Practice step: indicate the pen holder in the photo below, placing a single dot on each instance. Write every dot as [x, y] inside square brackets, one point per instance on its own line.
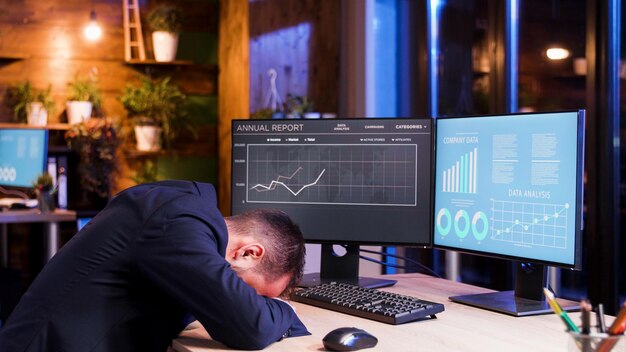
[595, 342]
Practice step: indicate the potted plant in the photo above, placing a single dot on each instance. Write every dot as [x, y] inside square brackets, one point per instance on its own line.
[165, 21]
[84, 96]
[46, 191]
[96, 141]
[300, 107]
[147, 173]
[155, 109]
[31, 105]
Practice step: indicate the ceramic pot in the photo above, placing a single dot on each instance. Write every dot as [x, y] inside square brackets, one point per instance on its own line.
[148, 138]
[37, 114]
[164, 45]
[78, 111]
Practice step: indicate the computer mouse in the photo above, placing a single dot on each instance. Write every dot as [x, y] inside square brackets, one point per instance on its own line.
[349, 339]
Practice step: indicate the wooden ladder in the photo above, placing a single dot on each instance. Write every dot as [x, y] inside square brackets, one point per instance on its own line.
[133, 36]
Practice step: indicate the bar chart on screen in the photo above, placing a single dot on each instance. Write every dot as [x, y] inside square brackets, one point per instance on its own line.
[461, 176]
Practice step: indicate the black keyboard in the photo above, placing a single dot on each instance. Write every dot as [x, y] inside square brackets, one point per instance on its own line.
[386, 307]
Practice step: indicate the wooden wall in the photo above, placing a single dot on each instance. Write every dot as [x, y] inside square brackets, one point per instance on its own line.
[42, 41]
[47, 40]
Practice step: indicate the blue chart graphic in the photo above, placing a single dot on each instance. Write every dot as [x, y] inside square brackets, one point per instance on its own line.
[351, 174]
[531, 224]
[461, 177]
[461, 224]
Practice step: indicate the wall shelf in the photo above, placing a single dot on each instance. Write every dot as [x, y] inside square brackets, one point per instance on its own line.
[187, 152]
[50, 126]
[8, 58]
[158, 63]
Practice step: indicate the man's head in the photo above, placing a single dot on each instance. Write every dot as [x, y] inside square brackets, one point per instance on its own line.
[266, 250]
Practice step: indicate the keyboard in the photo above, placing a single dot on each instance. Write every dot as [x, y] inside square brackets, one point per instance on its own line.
[386, 307]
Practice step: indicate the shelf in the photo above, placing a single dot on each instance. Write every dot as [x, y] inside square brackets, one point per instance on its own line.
[170, 64]
[159, 63]
[50, 126]
[136, 154]
[8, 58]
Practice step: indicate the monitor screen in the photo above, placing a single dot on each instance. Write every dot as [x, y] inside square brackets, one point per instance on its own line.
[343, 181]
[23, 156]
[510, 186]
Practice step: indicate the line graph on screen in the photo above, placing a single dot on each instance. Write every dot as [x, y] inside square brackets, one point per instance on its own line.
[354, 174]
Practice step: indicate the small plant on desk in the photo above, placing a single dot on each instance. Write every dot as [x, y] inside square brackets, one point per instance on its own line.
[45, 190]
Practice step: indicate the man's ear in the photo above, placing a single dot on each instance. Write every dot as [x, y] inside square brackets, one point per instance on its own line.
[249, 255]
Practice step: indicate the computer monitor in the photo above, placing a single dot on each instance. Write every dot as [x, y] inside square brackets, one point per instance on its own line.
[510, 186]
[343, 181]
[23, 156]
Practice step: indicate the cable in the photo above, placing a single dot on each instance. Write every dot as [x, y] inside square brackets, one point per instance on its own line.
[419, 265]
[14, 193]
[398, 266]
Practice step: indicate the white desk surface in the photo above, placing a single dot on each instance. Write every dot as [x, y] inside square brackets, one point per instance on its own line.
[458, 328]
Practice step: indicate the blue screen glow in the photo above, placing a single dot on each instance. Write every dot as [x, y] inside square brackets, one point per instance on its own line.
[23, 154]
[508, 185]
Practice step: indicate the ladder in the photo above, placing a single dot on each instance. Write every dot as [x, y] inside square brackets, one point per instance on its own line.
[133, 36]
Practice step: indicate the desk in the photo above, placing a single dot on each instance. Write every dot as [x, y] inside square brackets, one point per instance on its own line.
[51, 219]
[458, 328]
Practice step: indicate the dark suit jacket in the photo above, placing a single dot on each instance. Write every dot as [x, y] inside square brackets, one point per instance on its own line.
[126, 280]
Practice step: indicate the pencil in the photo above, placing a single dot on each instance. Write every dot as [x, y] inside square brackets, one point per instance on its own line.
[585, 313]
[619, 324]
[559, 311]
[600, 318]
[617, 328]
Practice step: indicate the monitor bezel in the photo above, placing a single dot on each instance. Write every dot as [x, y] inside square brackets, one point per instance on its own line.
[429, 224]
[580, 155]
[30, 187]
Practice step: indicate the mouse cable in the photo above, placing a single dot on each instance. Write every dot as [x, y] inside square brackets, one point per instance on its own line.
[14, 193]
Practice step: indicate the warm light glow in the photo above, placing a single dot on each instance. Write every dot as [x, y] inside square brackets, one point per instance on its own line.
[93, 31]
[557, 53]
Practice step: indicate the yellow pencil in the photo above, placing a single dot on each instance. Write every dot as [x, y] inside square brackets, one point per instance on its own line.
[559, 311]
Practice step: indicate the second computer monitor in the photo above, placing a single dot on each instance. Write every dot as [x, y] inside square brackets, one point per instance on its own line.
[23, 156]
[510, 186]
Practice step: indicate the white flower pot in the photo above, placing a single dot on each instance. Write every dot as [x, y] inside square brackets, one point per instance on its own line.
[164, 45]
[78, 111]
[37, 114]
[148, 138]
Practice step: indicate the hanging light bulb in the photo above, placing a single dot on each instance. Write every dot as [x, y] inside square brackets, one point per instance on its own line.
[93, 31]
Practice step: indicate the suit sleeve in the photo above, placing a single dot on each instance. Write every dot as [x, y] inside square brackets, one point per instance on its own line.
[178, 251]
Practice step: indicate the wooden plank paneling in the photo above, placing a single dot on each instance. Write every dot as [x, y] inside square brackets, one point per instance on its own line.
[46, 39]
[233, 86]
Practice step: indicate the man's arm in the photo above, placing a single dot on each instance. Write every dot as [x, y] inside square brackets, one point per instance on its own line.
[178, 252]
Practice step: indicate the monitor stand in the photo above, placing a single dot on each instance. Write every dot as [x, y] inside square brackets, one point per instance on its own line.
[342, 269]
[527, 299]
